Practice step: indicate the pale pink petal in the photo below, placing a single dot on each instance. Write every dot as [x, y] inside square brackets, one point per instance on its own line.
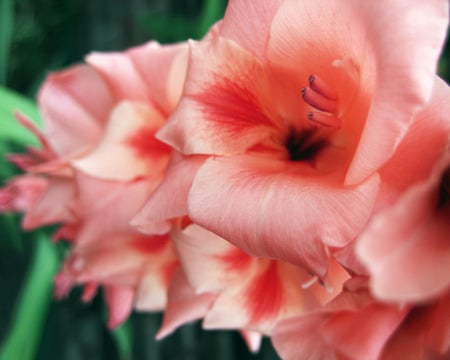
[374, 36]
[128, 149]
[153, 288]
[169, 200]
[77, 93]
[120, 304]
[406, 247]
[248, 23]
[273, 209]
[163, 69]
[253, 340]
[210, 262]
[222, 110]
[184, 305]
[121, 75]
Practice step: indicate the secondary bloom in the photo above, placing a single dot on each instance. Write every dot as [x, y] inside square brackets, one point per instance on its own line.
[406, 248]
[357, 326]
[233, 290]
[295, 106]
[98, 162]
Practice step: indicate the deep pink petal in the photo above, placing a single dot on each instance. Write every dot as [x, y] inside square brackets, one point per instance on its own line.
[270, 208]
[77, 93]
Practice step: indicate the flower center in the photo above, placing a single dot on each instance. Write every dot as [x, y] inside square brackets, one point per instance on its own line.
[444, 189]
[302, 144]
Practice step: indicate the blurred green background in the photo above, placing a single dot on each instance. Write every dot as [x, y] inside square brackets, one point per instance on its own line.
[38, 36]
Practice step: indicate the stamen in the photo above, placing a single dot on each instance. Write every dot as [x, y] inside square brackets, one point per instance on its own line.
[321, 87]
[318, 101]
[325, 119]
[311, 282]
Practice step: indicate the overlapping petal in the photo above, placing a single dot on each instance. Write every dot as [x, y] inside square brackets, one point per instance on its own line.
[255, 201]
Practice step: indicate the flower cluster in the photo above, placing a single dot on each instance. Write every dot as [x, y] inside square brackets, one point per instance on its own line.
[287, 176]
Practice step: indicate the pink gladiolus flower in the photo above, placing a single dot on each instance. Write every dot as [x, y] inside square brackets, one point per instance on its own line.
[297, 105]
[356, 326]
[99, 161]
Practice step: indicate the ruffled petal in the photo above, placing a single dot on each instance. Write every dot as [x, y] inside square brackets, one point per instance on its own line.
[77, 93]
[272, 209]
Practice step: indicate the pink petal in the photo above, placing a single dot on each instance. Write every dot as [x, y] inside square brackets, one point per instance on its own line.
[53, 206]
[128, 149]
[406, 247]
[184, 305]
[253, 340]
[244, 200]
[338, 333]
[228, 111]
[423, 144]
[256, 291]
[120, 304]
[248, 23]
[169, 200]
[163, 69]
[22, 192]
[77, 93]
[107, 207]
[374, 36]
[121, 76]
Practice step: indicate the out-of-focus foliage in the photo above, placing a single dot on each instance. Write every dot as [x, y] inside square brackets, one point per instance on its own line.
[38, 36]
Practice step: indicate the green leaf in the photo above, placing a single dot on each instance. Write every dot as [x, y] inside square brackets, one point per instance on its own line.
[122, 337]
[10, 129]
[6, 32]
[211, 12]
[32, 307]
